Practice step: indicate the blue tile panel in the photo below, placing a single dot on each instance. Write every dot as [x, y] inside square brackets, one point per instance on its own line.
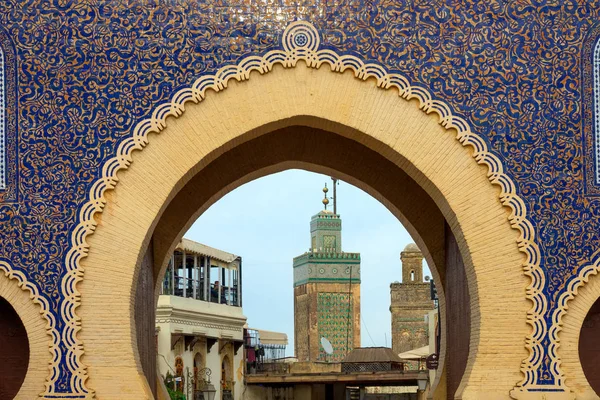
[78, 76]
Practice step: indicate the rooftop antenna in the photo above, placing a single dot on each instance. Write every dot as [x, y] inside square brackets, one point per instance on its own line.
[335, 183]
[325, 199]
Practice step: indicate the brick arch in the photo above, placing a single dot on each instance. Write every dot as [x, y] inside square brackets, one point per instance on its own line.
[314, 98]
[197, 195]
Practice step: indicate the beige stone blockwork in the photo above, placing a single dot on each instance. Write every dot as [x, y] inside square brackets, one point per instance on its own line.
[378, 120]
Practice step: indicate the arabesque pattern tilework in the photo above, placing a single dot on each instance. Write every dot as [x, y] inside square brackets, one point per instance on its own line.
[335, 321]
[86, 73]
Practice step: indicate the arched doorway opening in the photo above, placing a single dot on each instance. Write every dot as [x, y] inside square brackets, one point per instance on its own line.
[198, 372]
[382, 145]
[14, 349]
[226, 379]
[180, 374]
[589, 346]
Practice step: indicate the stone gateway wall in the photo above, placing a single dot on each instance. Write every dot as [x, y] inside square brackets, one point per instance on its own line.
[458, 315]
[501, 135]
[145, 319]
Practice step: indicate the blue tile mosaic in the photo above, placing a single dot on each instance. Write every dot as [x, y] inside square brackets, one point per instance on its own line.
[78, 76]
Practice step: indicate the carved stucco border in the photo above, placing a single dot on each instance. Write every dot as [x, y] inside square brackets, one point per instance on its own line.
[300, 43]
[179, 321]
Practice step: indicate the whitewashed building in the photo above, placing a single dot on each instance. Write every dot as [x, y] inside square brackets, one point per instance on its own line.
[200, 323]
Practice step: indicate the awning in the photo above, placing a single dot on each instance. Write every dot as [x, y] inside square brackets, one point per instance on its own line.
[198, 248]
[270, 337]
[415, 354]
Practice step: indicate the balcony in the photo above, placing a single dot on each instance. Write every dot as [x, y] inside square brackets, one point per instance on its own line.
[201, 277]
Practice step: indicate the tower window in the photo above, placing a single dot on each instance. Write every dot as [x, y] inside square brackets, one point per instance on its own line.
[329, 243]
[412, 275]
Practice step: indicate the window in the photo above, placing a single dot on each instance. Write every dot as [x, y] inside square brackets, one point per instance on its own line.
[2, 122]
[8, 119]
[596, 107]
[329, 243]
[591, 110]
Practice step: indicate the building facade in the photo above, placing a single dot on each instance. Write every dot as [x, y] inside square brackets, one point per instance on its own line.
[200, 323]
[410, 303]
[326, 293]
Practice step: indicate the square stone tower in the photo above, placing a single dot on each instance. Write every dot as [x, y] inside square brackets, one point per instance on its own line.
[410, 302]
[326, 293]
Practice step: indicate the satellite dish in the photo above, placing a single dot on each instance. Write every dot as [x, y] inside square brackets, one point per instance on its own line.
[326, 345]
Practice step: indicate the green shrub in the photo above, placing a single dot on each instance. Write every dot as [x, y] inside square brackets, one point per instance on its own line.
[174, 394]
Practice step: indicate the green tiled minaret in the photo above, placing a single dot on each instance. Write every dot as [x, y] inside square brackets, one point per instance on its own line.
[327, 292]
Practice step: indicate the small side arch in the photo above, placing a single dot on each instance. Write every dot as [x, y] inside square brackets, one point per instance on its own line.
[199, 365]
[226, 371]
[21, 300]
[582, 293]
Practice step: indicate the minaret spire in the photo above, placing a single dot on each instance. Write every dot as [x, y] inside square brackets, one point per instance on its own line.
[335, 183]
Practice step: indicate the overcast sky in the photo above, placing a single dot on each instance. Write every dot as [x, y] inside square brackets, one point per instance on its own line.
[266, 222]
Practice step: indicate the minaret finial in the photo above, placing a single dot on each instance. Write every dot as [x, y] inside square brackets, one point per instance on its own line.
[325, 199]
[335, 183]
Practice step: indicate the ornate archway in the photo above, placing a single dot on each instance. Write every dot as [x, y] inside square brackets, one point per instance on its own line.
[315, 98]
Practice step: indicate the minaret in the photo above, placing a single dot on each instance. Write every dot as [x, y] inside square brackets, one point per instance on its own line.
[410, 302]
[326, 292]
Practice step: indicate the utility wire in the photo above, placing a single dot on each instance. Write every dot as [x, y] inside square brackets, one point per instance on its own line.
[367, 329]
